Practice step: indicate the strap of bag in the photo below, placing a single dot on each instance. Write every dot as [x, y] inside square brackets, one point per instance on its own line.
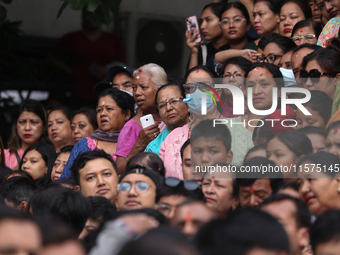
[204, 54]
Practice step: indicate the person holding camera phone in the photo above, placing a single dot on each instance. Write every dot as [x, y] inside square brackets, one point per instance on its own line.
[133, 139]
[211, 31]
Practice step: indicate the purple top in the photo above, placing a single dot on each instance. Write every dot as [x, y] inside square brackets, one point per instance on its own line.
[129, 135]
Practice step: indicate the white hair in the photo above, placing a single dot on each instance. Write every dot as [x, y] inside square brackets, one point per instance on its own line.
[156, 72]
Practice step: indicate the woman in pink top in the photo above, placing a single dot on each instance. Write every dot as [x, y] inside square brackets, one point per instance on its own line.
[133, 139]
[170, 151]
[28, 128]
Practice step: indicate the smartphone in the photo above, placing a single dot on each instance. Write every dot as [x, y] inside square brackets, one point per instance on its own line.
[147, 120]
[193, 23]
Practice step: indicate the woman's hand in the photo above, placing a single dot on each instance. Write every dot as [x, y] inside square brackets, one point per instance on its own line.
[251, 55]
[191, 37]
[146, 135]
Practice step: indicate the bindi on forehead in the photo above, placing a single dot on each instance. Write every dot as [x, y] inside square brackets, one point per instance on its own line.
[103, 103]
[138, 74]
[188, 217]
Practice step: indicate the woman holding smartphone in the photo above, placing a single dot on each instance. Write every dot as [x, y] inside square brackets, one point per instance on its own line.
[133, 138]
[211, 31]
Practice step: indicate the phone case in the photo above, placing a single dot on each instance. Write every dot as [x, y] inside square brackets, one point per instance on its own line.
[147, 120]
[193, 23]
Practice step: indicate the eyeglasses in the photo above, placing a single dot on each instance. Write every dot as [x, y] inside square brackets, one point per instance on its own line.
[313, 74]
[191, 87]
[165, 209]
[140, 187]
[174, 182]
[268, 59]
[173, 101]
[225, 23]
[235, 75]
[306, 37]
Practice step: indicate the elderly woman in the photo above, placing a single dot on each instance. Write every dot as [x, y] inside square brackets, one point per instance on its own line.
[114, 109]
[198, 79]
[133, 139]
[173, 111]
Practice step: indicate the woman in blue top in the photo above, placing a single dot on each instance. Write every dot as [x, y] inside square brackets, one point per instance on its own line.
[172, 110]
[115, 108]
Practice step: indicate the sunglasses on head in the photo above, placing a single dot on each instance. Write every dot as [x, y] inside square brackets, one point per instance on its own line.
[174, 182]
[313, 74]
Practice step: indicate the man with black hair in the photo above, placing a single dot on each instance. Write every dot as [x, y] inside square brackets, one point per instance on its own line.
[174, 192]
[254, 187]
[248, 232]
[17, 191]
[96, 174]
[190, 216]
[325, 234]
[19, 234]
[210, 145]
[59, 238]
[66, 204]
[102, 210]
[295, 218]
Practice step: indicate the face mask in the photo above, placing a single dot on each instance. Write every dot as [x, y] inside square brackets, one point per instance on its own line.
[194, 101]
[288, 77]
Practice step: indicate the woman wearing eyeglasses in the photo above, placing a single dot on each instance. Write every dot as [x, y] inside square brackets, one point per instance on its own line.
[235, 23]
[321, 69]
[234, 71]
[198, 81]
[306, 31]
[260, 78]
[172, 110]
[274, 50]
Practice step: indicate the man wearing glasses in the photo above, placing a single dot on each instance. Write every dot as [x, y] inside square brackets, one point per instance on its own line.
[137, 188]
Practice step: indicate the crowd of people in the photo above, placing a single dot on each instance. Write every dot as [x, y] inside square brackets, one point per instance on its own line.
[100, 181]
